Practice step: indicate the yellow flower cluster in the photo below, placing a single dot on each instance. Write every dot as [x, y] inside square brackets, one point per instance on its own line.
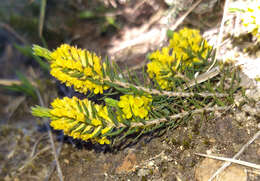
[185, 48]
[81, 119]
[77, 67]
[135, 106]
[251, 19]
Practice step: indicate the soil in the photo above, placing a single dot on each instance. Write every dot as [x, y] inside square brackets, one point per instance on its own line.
[25, 149]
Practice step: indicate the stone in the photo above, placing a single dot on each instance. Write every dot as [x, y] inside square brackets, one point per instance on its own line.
[128, 164]
[206, 168]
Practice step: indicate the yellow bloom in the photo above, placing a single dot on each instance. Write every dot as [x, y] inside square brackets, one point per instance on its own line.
[103, 140]
[96, 122]
[76, 118]
[137, 105]
[183, 50]
[77, 67]
[105, 130]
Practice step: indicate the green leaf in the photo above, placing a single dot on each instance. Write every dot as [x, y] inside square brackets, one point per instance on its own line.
[45, 66]
[117, 132]
[98, 131]
[122, 90]
[85, 109]
[79, 106]
[26, 87]
[233, 10]
[88, 121]
[94, 111]
[129, 132]
[77, 74]
[111, 102]
[41, 111]
[81, 129]
[89, 131]
[42, 52]
[112, 116]
[74, 127]
[169, 33]
[25, 50]
[108, 132]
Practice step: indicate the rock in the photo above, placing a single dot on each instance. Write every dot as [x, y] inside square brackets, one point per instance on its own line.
[128, 164]
[143, 172]
[208, 167]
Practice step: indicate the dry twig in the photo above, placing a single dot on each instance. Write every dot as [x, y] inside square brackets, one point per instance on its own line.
[41, 18]
[220, 35]
[168, 93]
[54, 163]
[29, 161]
[244, 163]
[203, 77]
[225, 165]
[36, 144]
[6, 82]
[181, 115]
[51, 139]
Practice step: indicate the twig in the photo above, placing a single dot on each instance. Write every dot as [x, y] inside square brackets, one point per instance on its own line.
[54, 163]
[12, 31]
[51, 139]
[33, 158]
[10, 82]
[203, 77]
[225, 165]
[248, 164]
[180, 115]
[253, 171]
[36, 144]
[13, 106]
[168, 93]
[220, 35]
[7, 82]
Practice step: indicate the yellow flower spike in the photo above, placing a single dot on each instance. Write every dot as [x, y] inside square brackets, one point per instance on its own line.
[76, 67]
[76, 118]
[185, 46]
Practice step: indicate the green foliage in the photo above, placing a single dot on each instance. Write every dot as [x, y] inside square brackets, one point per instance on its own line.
[28, 52]
[25, 87]
[135, 104]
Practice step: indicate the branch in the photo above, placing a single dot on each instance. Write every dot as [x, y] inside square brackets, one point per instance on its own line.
[167, 93]
[181, 115]
[51, 139]
[225, 165]
[244, 163]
